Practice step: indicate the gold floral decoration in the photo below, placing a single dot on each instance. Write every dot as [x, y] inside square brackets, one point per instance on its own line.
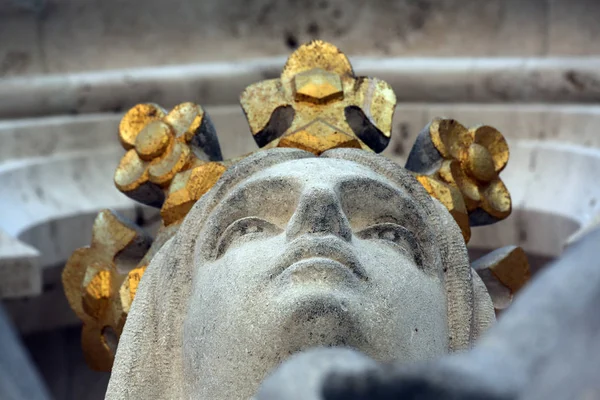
[159, 145]
[469, 160]
[473, 160]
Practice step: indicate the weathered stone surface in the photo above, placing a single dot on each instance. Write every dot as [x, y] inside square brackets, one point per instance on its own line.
[313, 256]
[67, 35]
[442, 80]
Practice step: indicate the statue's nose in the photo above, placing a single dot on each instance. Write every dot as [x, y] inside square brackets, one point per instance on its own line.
[319, 212]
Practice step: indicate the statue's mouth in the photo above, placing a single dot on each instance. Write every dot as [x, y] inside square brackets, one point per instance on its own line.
[320, 270]
[327, 252]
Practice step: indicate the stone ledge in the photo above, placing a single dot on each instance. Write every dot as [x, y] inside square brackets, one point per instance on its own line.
[62, 36]
[491, 80]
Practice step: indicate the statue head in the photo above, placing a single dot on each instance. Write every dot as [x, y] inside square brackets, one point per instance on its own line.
[289, 251]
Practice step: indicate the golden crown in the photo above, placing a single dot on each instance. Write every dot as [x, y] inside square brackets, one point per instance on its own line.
[173, 157]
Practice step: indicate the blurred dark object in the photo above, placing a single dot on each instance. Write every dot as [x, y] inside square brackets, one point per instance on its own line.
[18, 377]
[30, 5]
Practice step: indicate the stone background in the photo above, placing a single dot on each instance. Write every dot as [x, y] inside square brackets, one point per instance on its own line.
[86, 61]
[62, 36]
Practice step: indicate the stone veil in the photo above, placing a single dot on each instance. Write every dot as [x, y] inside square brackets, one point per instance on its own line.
[150, 358]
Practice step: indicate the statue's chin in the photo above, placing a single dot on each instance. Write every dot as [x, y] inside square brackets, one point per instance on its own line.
[315, 298]
[316, 315]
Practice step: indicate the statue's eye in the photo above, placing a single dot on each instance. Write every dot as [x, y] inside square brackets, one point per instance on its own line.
[401, 237]
[248, 228]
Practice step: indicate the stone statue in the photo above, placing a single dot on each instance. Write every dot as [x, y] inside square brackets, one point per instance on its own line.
[313, 241]
[289, 251]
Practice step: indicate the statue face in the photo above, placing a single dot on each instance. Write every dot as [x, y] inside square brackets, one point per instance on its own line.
[313, 252]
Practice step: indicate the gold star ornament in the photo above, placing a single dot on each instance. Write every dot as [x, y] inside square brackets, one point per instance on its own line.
[319, 104]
